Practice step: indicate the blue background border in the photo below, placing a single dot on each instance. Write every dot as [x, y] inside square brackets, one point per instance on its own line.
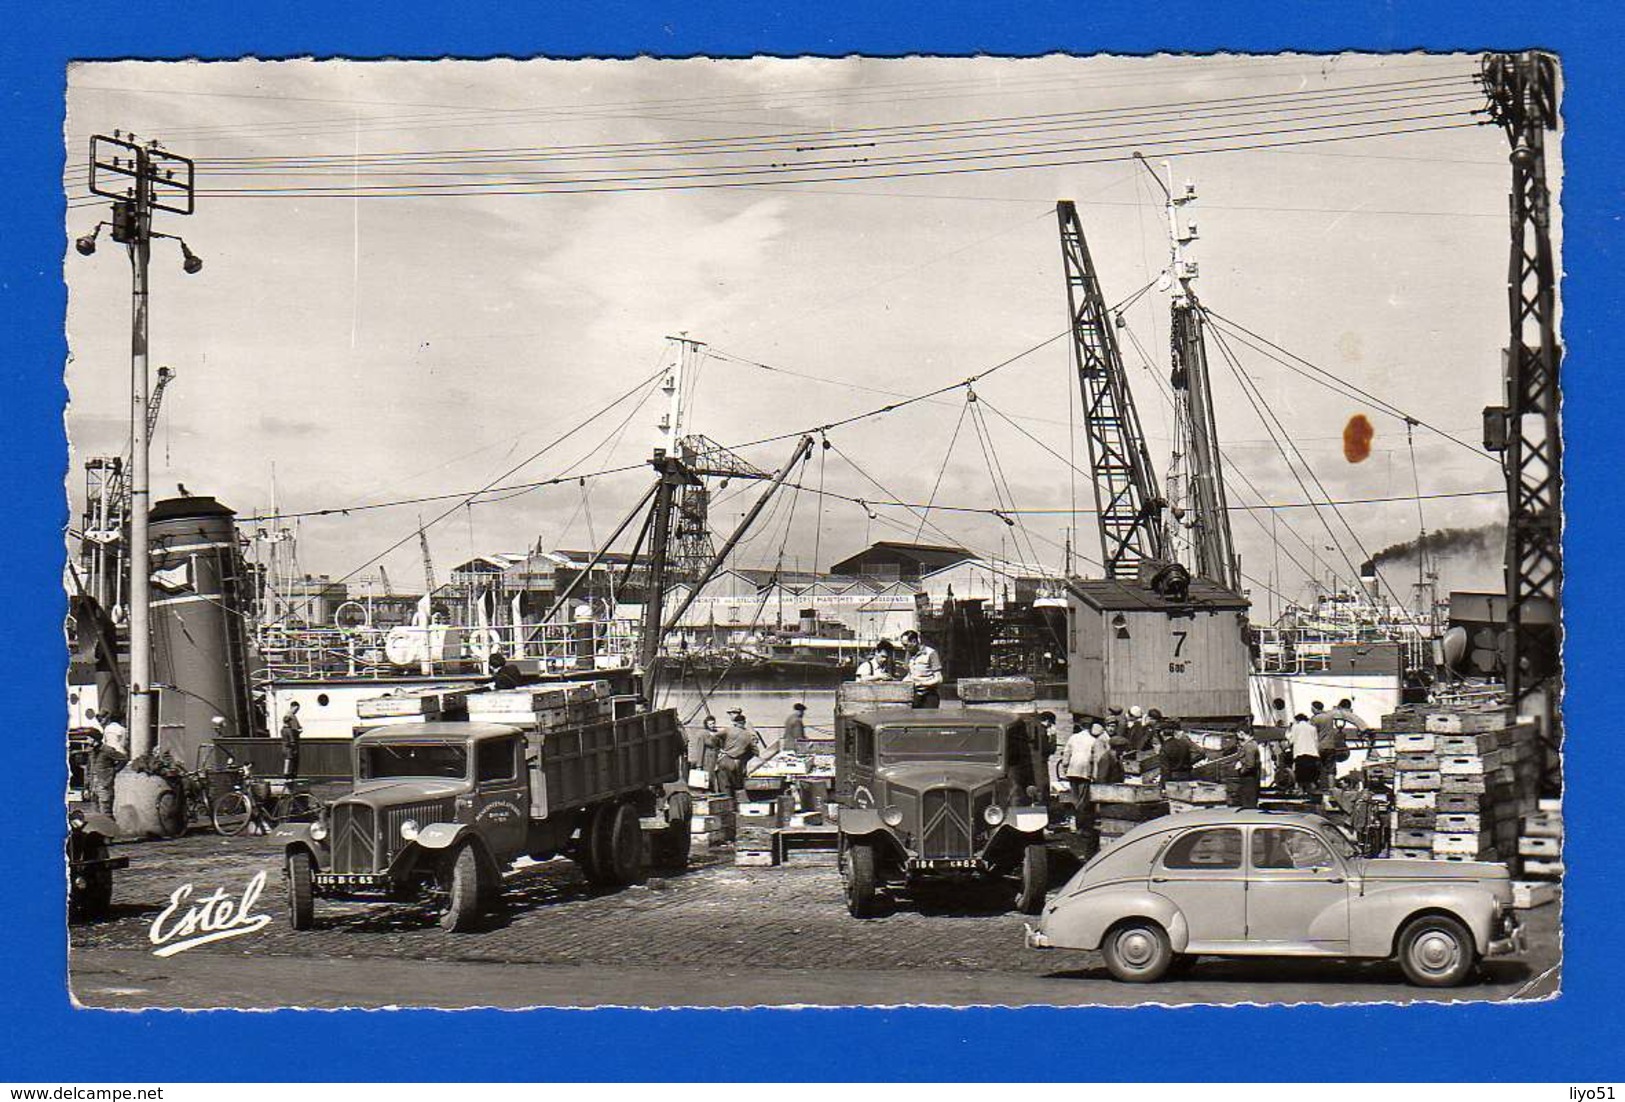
[1578, 1037]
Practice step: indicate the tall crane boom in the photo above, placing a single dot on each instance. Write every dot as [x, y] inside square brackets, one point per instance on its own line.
[1213, 551]
[1129, 507]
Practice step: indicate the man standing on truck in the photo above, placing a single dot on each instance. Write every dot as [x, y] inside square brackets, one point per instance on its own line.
[292, 729]
[924, 671]
[878, 666]
[1078, 767]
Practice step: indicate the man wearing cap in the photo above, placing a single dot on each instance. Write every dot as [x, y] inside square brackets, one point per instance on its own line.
[1178, 754]
[1137, 731]
[1248, 766]
[738, 747]
[1301, 737]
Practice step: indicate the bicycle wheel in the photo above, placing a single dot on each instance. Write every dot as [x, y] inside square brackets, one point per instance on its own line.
[232, 812]
[298, 807]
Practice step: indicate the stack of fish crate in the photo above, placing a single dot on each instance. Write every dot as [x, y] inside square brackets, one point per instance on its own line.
[1119, 808]
[1003, 694]
[1193, 795]
[714, 821]
[1540, 842]
[753, 837]
[1462, 786]
[411, 706]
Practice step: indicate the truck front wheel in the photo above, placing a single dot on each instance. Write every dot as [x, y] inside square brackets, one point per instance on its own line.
[861, 880]
[1034, 879]
[301, 891]
[464, 892]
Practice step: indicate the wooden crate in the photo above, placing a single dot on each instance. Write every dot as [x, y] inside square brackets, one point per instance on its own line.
[1457, 783]
[988, 690]
[1414, 839]
[1415, 801]
[1460, 802]
[1125, 793]
[1538, 868]
[1457, 723]
[754, 859]
[1459, 823]
[1540, 847]
[1543, 825]
[1532, 893]
[1132, 813]
[1413, 853]
[1474, 844]
[1472, 765]
[1422, 743]
[1418, 819]
[1416, 762]
[1195, 792]
[1420, 782]
[1482, 743]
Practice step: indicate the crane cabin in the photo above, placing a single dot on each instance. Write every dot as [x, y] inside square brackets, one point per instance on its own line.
[1184, 653]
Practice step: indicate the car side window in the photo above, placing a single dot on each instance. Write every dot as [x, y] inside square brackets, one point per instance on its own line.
[1281, 848]
[1216, 848]
[495, 761]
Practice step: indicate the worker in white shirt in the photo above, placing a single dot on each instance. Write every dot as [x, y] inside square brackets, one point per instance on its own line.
[1078, 767]
[1305, 743]
[924, 671]
[879, 665]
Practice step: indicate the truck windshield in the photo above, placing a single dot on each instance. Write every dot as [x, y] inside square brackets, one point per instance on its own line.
[414, 760]
[934, 743]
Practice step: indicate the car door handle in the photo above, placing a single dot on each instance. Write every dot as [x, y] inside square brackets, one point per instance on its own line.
[1334, 880]
[1159, 880]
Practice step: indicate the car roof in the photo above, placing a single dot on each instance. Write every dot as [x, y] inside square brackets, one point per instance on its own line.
[437, 731]
[937, 717]
[1226, 816]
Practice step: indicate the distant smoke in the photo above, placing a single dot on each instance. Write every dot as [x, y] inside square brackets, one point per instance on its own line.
[1486, 542]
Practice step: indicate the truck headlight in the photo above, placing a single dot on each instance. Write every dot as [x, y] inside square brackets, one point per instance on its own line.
[994, 814]
[409, 830]
[892, 816]
[318, 829]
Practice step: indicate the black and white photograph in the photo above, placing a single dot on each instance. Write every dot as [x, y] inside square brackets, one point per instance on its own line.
[822, 532]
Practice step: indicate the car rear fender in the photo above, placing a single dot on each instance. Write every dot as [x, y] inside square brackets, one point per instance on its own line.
[1080, 921]
[1376, 919]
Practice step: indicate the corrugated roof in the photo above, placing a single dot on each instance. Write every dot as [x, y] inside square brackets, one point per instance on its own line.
[1112, 595]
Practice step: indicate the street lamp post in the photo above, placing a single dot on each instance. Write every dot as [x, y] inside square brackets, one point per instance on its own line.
[140, 180]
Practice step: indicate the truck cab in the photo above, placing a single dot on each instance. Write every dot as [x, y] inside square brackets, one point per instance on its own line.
[938, 794]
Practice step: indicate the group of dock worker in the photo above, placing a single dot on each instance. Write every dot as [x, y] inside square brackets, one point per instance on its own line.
[922, 668]
[1318, 741]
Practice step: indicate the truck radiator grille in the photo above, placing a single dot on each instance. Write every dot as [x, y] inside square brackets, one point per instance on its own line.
[424, 813]
[945, 815]
[353, 837]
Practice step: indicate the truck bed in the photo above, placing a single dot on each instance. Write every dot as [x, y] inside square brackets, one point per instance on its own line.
[578, 765]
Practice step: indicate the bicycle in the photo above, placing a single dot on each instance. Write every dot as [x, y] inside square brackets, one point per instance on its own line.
[259, 802]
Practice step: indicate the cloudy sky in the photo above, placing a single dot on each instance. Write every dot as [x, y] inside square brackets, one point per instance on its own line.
[419, 275]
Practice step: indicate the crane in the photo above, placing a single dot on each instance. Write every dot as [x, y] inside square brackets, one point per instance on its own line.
[1132, 534]
[1212, 546]
[428, 561]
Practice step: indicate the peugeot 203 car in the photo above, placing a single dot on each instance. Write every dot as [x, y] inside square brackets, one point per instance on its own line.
[1229, 882]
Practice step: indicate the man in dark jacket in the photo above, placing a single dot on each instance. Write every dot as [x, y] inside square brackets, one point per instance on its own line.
[292, 731]
[504, 674]
[1178, 754]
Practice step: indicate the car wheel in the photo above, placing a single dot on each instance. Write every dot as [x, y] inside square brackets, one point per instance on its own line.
[1137, 951]
[861, 880]
[91, 895]
[1436, 951]
[465, 890]
[1034, 879]
[301, 891]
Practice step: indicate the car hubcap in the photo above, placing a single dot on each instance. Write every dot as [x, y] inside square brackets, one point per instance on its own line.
[1137, 948]
[1436, 951]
